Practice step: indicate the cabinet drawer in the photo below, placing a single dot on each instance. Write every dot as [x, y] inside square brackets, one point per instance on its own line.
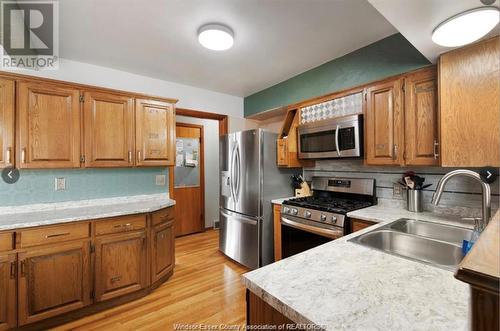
[52, 234]
[6, 241]
[163, 215]
[120, 224]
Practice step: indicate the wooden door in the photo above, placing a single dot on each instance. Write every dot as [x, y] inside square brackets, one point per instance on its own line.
[154, 133]
[189, 195]
[7, 291]
[109, 130]
[384, 124]
[53, 280]
[120, 265]
[7, 95]
[162, 250]
[48, 126]
[470, 105]
[421, 124]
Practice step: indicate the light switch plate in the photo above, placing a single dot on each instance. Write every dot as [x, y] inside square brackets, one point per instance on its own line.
[60, 184]
[160, 180]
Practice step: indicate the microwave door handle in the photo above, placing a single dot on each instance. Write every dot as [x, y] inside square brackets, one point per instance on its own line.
[337, 139]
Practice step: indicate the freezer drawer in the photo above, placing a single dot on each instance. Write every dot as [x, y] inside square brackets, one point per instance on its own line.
[239, 238]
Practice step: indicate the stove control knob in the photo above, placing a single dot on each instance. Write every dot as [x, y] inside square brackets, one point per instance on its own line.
[323, 218]
[286, 210]
[334, 219]
[294, 211]
[307, 214]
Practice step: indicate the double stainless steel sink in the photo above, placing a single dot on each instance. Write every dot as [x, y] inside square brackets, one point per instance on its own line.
[436, 244]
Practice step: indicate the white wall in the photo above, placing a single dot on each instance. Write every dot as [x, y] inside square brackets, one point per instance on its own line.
[211, 154]
[189, 96]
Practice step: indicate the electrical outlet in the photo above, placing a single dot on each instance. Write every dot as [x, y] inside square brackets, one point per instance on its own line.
[160, 180]
[60, 184]
[397, 191]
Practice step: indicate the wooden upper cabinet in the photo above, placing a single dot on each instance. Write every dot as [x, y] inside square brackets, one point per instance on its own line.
[48, 126]
[7, 96]
[421, 118]
[53, 280]
[384, 123]
[154, 133]
[470, 105]
[109, 130]
[7, 291]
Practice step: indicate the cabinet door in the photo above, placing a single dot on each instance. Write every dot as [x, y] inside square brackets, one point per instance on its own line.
[109, 130]
[120, 265]
[162, 250]
[48, 126]
[469, 97]
[53, 280]
[154, 133]
[7, 291]
[282, 151]
[7, 95]
[384, 124]
[421, 125]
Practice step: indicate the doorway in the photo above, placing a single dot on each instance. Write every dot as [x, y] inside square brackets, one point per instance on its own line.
[189, 179]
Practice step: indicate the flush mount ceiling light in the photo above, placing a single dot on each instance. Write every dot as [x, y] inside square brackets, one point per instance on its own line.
[466, 27]
[216, 37]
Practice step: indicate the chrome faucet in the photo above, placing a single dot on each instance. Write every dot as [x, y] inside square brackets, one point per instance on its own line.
[472, 174]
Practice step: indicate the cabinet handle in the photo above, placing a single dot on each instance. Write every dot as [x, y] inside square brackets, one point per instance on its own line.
[436, 150]
[138, 155]
[129, 156]
[7, 155]
[23, 267]
[56, 235]
[122, 225]
[395, 154]
[13, 272]
[115, 279]
[23, 155]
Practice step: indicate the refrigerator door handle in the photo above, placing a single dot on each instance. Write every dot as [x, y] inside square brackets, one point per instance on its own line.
[231, 175]
[238, 176]
[238, 217]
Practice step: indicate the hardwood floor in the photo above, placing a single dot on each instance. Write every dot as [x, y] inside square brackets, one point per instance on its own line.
[205, 288]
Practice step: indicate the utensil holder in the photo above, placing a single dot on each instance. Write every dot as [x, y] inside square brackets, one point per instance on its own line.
[414, 200]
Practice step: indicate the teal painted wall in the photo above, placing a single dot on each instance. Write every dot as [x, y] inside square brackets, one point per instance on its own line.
[387, 57]
[37, 186]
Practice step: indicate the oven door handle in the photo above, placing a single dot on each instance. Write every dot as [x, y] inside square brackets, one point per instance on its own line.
[337, 139]
[333, 234]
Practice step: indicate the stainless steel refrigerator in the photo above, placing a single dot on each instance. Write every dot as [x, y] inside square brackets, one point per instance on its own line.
[250, 179]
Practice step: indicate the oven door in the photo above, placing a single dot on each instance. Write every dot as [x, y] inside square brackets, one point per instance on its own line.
[334, 138]
[298, 235]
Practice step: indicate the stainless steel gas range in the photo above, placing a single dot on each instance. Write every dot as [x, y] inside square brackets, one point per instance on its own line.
[311, 221]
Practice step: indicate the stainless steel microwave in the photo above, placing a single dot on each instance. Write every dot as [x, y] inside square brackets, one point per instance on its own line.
[332, 138]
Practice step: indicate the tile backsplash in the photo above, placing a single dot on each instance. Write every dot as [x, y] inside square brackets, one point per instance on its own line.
[462, 195]
[37, 186]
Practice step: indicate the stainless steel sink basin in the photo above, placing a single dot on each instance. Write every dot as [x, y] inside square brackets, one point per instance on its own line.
[447, 233]
[432, 243]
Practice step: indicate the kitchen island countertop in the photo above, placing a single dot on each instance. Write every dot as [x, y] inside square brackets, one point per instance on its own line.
[15, 217]
[342, 285]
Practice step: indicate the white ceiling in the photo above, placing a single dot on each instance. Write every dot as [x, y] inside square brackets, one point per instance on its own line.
[416, 19]
[274, 39]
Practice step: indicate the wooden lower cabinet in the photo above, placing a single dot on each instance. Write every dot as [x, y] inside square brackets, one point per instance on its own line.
[162, 250]
[260, 313]
[277, 231]
[120, 265]
[357, 224]
[7, 291]
[53, 280]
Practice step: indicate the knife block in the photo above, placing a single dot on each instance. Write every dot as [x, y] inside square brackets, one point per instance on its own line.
[303, 191]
